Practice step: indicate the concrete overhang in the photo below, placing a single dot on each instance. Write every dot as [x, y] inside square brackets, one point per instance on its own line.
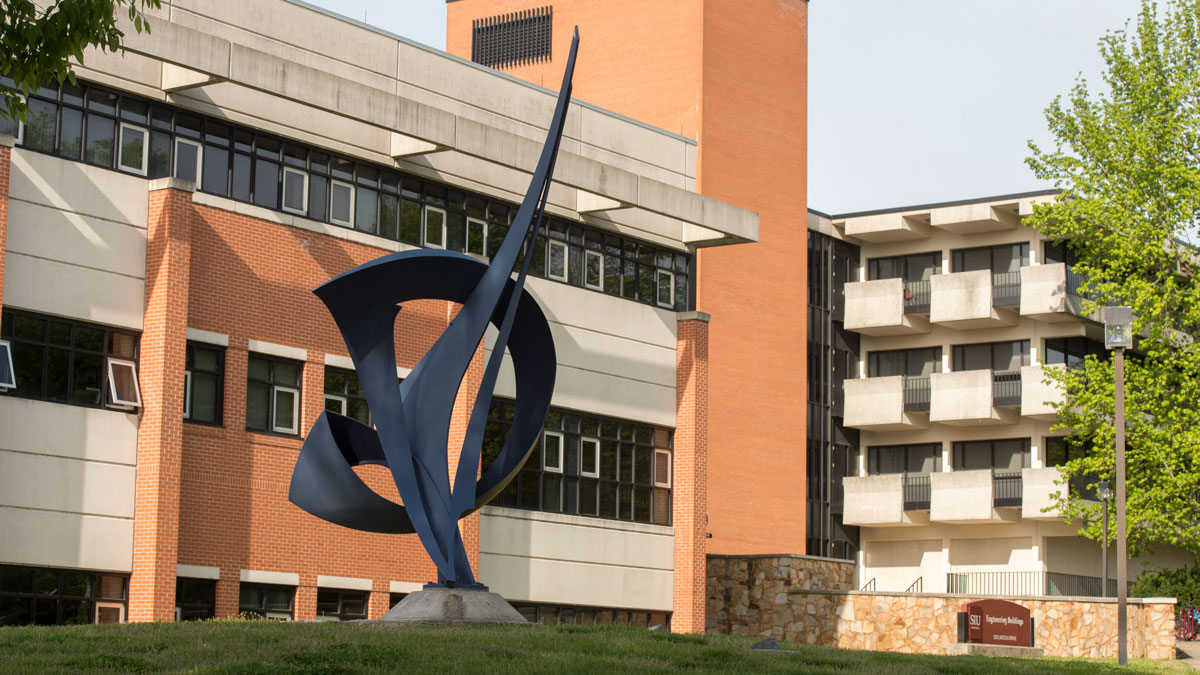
[418, 127]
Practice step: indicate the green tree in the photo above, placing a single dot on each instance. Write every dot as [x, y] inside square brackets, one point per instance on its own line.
[38, 43]
[1127, 160]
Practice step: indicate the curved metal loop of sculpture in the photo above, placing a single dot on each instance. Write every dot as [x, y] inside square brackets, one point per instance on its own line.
[412, 419]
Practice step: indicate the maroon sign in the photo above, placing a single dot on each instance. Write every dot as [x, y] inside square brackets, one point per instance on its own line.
[998, 622]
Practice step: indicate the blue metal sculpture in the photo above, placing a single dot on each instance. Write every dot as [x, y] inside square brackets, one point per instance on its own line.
[413, 419]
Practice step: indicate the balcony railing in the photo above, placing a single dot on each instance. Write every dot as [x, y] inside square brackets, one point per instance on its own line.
[916, 394]
[917, 492]
[1028, 583]
[1006, 289]
[1006, 387]
[1006, 488]
[1074, 281]
[917, 296]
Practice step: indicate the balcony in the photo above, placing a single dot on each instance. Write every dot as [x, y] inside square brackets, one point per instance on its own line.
[881, 307]
[1051, 293]
[969, 397]
[1038, 489]
[887, 227]
[973, 218]
[881, 501]
[886, 403]
[1037, 395]
[916, 492]
[968, 300]
[970, 497]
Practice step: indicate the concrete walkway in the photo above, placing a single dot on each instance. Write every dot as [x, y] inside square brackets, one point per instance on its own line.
[1188, 653]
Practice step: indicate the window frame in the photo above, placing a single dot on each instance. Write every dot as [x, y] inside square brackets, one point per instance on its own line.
[261, 609]
[188, 381]
[484, 223]
[670, 468]
[283, 192]
[561, 441]
[199, 157]
[334, 183]
[295, 391]
[658, 274]
[566, 263]
[274, 388]
[595, 454]
[425, 211]
[6, 355]
[114, 397]
[588, 253]
[121, 149]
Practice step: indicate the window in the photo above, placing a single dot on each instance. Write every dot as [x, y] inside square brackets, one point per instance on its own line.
[552, 451]
[477, 237]
[273, 395]
[295, 191]
[1059, 252]
[556, 260]
[395, 598]
[1011, 454]
[135, 149]
[589, 457]
[7, 377]
[259, 601]
[915, 267]
[588, 465]
[907, 362]
[994, 356]
[593, 270]
[47, 597]
[512, 39]
[123, 384]
[1061, 450]
[1073, 351]
[435, 227]
[195, 599]
[998, 259]
[344, 395]
[341, 203]
[187, 160]
[549, 615]
[70, 362]
[335, 605]
[203, 384]
[666, 288]
[922, 459]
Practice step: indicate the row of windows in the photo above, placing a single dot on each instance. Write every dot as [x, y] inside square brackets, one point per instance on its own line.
[1004, 454]
[587, 465]
[998, 259]
[32, 595]
[68, 361]
[118, 131]
[995, 356]
[195, 600]
[550, 615]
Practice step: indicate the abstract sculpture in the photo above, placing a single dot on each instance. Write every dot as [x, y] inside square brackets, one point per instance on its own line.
[412, 419]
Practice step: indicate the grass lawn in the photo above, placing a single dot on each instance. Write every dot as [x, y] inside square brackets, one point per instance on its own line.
[266, 647]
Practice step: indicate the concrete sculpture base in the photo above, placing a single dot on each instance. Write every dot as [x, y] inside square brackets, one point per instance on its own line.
[453, 605]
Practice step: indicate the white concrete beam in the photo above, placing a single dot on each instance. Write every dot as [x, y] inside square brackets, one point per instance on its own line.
[407, 146]
[176, 78]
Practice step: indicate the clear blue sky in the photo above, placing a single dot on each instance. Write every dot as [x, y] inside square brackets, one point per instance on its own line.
[910, 101]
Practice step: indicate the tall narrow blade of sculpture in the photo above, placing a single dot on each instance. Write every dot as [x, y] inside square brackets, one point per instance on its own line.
[412, 419]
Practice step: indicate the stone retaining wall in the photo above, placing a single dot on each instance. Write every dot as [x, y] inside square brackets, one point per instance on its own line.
[927, 623]
[752, 590]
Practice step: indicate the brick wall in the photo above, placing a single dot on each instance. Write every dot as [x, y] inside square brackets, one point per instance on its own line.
[690, 477]
[223, 487]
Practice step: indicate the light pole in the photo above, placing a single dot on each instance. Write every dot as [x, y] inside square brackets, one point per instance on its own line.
[1105, 493]
[1118, 334]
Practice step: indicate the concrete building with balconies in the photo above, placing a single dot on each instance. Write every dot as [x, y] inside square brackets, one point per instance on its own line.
[955, 311]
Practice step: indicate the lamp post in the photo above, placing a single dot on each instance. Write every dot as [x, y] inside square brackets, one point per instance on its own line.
[1105, 493]
[1118, 335]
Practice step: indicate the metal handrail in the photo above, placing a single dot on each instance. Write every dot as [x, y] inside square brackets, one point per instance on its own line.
[917, 586]
[1006, 488]
[916, 394]
[1027, 583]
[1006, 288]
[917, 295]
[917, 492]
[869, 586]
[1006, 387]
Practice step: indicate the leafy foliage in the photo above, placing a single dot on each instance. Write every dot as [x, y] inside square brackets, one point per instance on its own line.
[1183, 585]
[1128, 163]
[38, 44]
